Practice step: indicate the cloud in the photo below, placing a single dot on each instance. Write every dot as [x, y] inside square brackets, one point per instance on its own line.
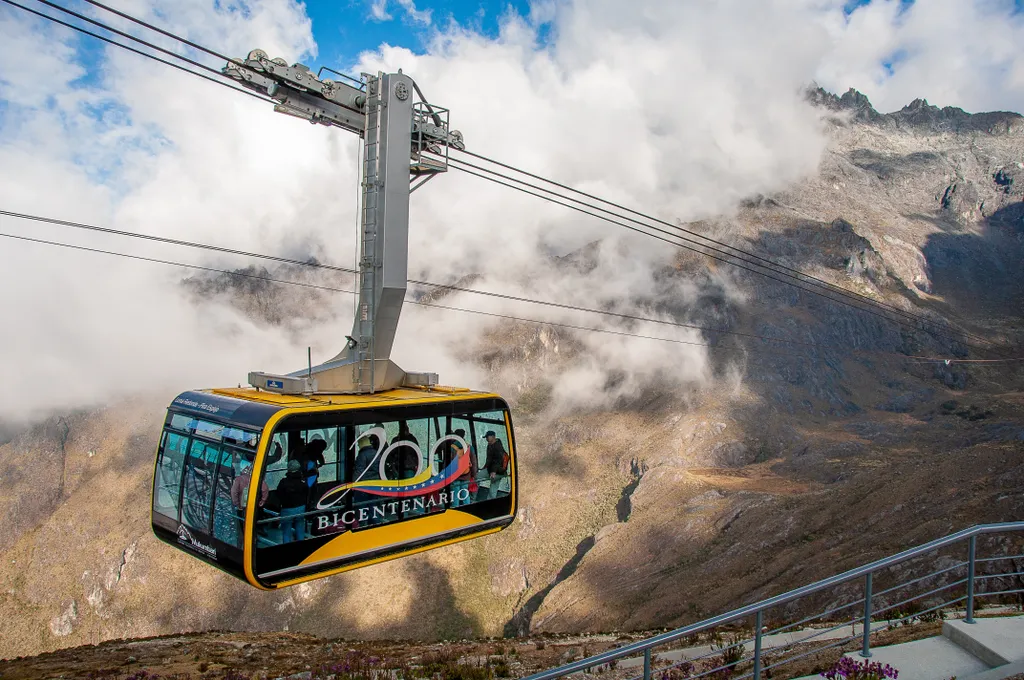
[418, 16]
[680, 109]
[379, 11]
[659, 114]
[963, 53]
[29, 78]
[144, 148]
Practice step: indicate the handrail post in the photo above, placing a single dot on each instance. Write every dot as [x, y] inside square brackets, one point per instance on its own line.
[866, 649]
[970, 580]
[647, 664]
[757, 644]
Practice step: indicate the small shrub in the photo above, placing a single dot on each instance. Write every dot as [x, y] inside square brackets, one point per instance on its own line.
[358, 665]
[731, 651]
[848, 669]
[893, 617]
[731, 654]
[501, 669]
[467, 672]
[680, 672]
[443, 664]
[141, 675]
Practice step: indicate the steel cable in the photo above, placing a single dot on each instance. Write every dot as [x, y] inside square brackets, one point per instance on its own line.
[781, 268]
[880, 314]
[431, 284]
[220, 80]
[410, 301]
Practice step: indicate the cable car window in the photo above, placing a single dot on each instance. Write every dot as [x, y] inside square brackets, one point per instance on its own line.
[464, 489]
[277, 463]
[328, 469]
[170, 461]
[194, 475]
[494, 477]
[210, 430]
[198, 487]
[180, 421]
[215, 431]
[240, 438]
[227, 519]
[310, 465]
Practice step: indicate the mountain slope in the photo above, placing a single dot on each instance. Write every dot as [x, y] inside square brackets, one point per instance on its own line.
[787, 464]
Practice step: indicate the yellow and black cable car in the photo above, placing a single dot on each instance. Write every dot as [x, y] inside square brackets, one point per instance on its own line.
[353, 461]
[278, 489]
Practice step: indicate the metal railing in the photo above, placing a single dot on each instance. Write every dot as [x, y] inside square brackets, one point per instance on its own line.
[725, 661]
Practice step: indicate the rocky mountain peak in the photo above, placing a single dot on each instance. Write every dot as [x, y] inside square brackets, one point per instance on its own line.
[917, 105]
[854, 99]
[918, 115]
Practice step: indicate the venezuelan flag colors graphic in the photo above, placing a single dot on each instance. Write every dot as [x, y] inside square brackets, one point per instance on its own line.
[423, 483]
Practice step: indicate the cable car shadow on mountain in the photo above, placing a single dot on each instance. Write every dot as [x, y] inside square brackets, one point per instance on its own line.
[433, 601]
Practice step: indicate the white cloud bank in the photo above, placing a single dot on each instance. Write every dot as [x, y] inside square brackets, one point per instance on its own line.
[681, 108]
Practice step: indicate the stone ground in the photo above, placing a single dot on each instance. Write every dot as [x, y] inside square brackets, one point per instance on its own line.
[245, 656]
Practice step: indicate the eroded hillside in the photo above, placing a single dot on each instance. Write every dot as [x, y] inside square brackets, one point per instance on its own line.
[788, 464]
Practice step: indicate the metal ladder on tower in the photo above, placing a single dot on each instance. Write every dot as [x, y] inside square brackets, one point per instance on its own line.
[368, 264]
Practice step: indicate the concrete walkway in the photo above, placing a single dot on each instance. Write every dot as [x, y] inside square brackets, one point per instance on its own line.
[988, 649]
[997, 642]
[811, 635]
[935, 658]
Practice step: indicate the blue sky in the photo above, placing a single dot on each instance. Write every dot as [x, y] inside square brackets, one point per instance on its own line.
[344, 28]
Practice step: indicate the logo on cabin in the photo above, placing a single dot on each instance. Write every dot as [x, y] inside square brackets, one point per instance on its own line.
[186, 538]
[373, 478]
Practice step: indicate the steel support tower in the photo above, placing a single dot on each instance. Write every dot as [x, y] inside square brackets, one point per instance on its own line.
[405, 140]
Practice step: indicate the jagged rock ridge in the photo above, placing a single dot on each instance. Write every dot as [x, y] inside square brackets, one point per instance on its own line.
[919, 115]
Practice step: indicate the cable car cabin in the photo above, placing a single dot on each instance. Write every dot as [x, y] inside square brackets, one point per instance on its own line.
[277, 489]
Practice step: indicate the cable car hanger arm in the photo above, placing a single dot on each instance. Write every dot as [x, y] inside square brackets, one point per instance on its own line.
[405, 139]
